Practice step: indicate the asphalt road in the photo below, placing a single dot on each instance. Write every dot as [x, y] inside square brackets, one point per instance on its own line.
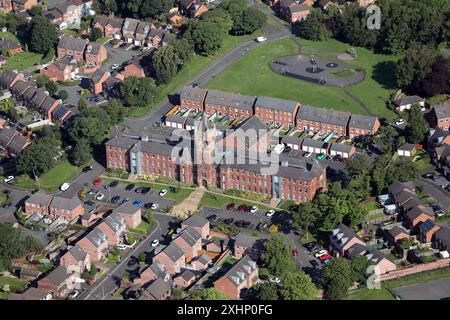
[436, 192]
[109, 283]
[430, 290]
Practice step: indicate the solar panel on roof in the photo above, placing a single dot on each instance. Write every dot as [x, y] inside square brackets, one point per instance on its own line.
[426, 226]
[60, 112]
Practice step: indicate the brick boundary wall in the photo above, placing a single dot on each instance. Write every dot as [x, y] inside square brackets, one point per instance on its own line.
[439, 264]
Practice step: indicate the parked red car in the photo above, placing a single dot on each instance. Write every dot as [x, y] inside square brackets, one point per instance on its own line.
[243, 208]
[97, 182]
[231, 206]
[325, 257]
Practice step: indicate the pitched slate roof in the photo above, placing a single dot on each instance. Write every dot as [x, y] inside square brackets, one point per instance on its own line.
[362, 122]
[406, 100]
[245, 240]
[93, 48]
[395, 231]
[78, 253]
[20, 86]
[398, 187]
[190, 235]
[407, 147]
[314, 143]
[193, 94]
[96, 237]
[442, 111]
[6, 135]
[299, 7]
[70, 43]
[58, 275]
[122, 142]
[102, 20]
[29, 94]
[195, 221]
[130, 24]
[241, 270]
[174, 252]
[344, 234]
[231, 100]
[126, 208]
[7, 44]
[443, 235]
[39, 198]
[7, 78]
[340, 147]
[65, 204]
[276, 104]
[18, 143]
[116, 22]
[38, 98]
[48, 103]
[323, 115]
[158, 288]
[186, 275]
[292, 140]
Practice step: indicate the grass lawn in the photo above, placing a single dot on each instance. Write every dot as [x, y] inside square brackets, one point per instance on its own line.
[51, 180]
[15, 284]
[9, 36]
[193, 68]
[344, 73]
[23, 60]
[142, 228]
[374, 91]
[251, 75]
[218, 201]
[417, 278]
[370, 294]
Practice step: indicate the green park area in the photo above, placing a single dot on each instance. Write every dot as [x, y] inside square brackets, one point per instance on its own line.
[23, 60]
[251, 75]
[192, 69]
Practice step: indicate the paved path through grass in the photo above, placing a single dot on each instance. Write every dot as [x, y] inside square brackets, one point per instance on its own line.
[190, 204]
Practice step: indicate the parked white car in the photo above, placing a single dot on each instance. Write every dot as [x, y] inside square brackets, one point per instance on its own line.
[399, 122]
[270, 213]
[114, 66]
[154, 206]
[275, 280]
[279, 149]
[155, 243]
[261, 39]
[307, 154]
[253, 209]
[74, 294]
[64, 186]
[320, 253]
[163, 192]
[100, 196]
[9, 179]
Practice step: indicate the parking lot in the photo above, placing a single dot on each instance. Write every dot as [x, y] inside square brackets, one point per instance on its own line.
[151, 197]
[222, 215]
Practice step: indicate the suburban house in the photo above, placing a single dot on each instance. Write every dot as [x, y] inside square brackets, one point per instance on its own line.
[407, 150]
[72, 47]
[190, 241]
[95, 243]
[245, 244]
[130, 214]
[242, 275]
[98, 79]
[157, 290]
[201, 262]
[342, 239]
[60, 282]
[114, 228]
[184, 279]
[95, 54]
[151, 273]
[395, 234]
[192, 98]
[440, 116]
[198, 223]
[427, 231]
[172, 258]
[54, 206]
[278, 112]
[406, 102]
[441, 239]
[360, 125]
[12, 141]
[31, 294]
[129, 29]
[344, 150]
[142, 30]
[60, 70]
[113, 29]
[314, 146]
[76, 257]
[133, 69]
[10, 46]
[414, 217]
[375, 257]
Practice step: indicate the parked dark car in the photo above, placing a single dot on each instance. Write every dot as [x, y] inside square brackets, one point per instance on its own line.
[312, 246]
[115, 199]
[145, 190]
[89, 203]
[113, 184]
[7, 205]
[88, 168]
[212, 217]
[243, 208]
[148, 205]
[314, 263]
[228, 221]
[130, 187]
[287, 149]
[246, 224]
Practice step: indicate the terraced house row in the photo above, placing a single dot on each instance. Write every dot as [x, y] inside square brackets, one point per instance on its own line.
[279, 112]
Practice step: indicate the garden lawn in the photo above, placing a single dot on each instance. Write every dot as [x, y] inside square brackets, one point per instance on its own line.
[14, 285]
[379, 83]
[192, 69]
[219, 201]
[23, 61]
[9, 36]
[251, 75]
[370, 294]
[51, 180]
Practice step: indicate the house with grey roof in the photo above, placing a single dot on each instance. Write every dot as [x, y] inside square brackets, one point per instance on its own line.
[76, 257]
[60, 282]
[277, 112]
[8, 78]
[314, 146]
[129, 29]
[72, 47]
[362, 125]
[440, 116]
[407, 150]
[245, 244]
[406, 102]
[344, 150]
[172, 258]
[295, 143]
[242, 275]
[322, 120]
[192, 98]
[184, 279]
[442, 239]
[342, 238]
[199, 223]
[236, 106]
[157, 290]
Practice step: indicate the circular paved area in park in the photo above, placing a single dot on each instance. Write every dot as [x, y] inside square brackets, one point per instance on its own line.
[322, 72]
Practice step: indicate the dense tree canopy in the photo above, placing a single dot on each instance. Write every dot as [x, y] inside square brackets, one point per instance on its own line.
[166, 62]
[298, 286]
[277, 256]
[43, 35]
[38, 158]
[137, 91]
[265, 291]
[417, 126]
[208, 294]
[313, 27]
[337, 278]
[153, 8]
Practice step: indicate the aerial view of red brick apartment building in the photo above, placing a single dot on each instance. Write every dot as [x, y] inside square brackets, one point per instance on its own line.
[278, 112]
[235, 106]
[322, 119]
[242, 275]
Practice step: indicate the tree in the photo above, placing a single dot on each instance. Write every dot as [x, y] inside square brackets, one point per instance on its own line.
[359, 164]
[92, 126]
[166, 62]
[51, 87]
[183, 50]
[153, 8]
[385, 139]
[96, 33]
[13, 245]
[359, 267]
[207, 37]
[277, 256]
[142, 257]
[81, 152]
[220, 17]
[249, 21]
[41, 80]
[418, 127]
[337, 278]
[150, 217]
[43, 35]
[38, 158]
[413, 67]
[137, 91]
[298, 286]
[208, 294]
[82, 106]
[265, 291]
[63, 94]
[107, 7]
[304, 216]
[313, 27]
[116, 111]
[35, 10]
[438, 80]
